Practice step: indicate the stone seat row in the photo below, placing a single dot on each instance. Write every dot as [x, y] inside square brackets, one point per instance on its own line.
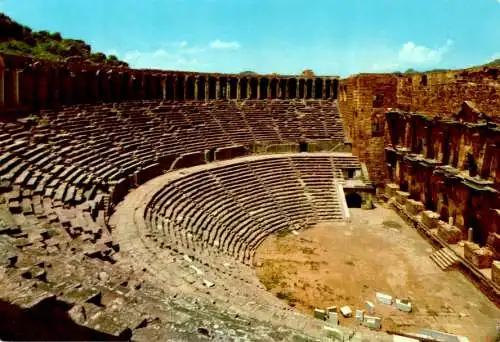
[235, 207]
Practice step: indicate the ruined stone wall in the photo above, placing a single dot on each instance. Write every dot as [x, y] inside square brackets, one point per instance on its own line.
[451, 165]
[364, 98]
[443, 92]
[363, 101]
[30, 85]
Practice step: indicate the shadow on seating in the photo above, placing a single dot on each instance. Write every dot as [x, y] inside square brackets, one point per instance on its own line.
[46, 321]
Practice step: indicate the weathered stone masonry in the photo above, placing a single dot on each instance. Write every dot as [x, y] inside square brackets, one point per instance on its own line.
[26, 84]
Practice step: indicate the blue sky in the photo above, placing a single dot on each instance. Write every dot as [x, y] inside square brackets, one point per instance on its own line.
[332, 37]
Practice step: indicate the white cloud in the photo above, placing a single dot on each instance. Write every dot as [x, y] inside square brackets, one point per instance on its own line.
[409, 55]
[222, 45]
[497, 54]
[414, 54]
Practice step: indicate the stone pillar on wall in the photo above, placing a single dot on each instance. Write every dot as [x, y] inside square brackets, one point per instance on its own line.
[15, 87]
[163, 87]
[238, 89]
[228, 88]
[207, 95]
[297, 91]
[323, 90]
[313, 89]
[258, 88]
[217, 88]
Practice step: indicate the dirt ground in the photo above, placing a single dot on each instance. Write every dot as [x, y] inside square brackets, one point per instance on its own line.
[346, 263]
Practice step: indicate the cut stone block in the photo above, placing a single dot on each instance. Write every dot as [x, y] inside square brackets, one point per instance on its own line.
[402, 196]
[360, 314]
[481, 257]
[383, 298]
[390, 189]
[403, 305]
[430, 219]
[346, 311]
[333, 318]
[331, 309]
[373, 322]
[495, 272]
[449, 233]
[370, 307]
[320, 314]
[414, 207]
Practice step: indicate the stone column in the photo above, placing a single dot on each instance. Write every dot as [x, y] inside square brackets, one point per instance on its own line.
[207, 95]
[278, 91]
[15, 87]
[164, 87]
[217, 88]
[258, 89]
[196, 86]
[238, 89]
[313, 89]
[228, 89]
[297, 93]
[323, 93]
[269, 89]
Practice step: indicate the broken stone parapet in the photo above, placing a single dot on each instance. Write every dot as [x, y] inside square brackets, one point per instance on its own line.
[414, 207]
[383, 298]
[403, 305]
[449, 233]
[481, 257]
[494, 244]
[495, 272]
[402, 197]
[430, 219]
[391, 189]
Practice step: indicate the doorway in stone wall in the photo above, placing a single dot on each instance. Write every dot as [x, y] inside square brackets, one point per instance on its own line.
[303, 146]
[353, 200]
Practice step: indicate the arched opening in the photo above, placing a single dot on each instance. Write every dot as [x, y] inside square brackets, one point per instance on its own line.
[233, 89]
[282, 86]
[309, 92]
[243, 88]
[254, 84]
[303, 146]
[302, 86]
[318, 88]
[212, 83]
[444, 213]
[292, 88]
[263, 88]
[179, 91]
[190, 88]
[336, 88]
[274, 89]
[222, 88]
[201, 88]
[328, 86]
[124, 82]
[170, 88]
[353, 200]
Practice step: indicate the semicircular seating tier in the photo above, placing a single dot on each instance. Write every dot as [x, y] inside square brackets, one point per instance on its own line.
[234, 207]
[65, 168]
